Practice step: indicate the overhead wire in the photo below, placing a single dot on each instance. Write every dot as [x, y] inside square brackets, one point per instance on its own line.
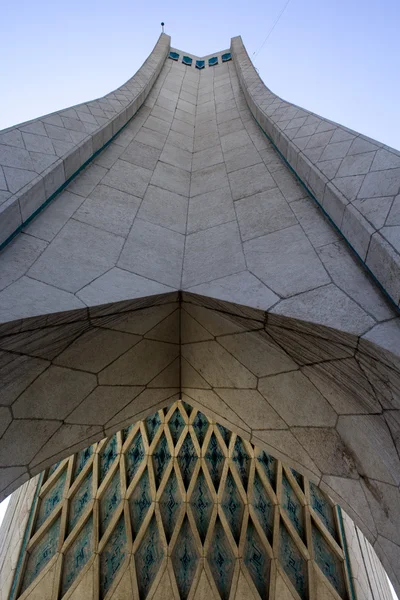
[272, 29]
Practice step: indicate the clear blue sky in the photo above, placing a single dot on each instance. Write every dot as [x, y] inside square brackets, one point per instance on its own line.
[340, 59]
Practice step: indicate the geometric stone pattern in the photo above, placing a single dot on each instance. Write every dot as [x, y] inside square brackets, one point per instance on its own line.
[354, 178]
[137, 540]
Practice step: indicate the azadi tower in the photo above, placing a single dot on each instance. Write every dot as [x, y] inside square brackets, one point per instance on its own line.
[200, 345]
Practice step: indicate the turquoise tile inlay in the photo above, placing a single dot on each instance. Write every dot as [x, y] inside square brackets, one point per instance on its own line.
[80, 500]
[187, 459]
[185, 559]
[107, 456]
[292, 505]
[81, 459]
[233, 506]
[187, 61]
[226, 434]
[176, 425]
[293, 562]
[242, 461]
[170, 502]
[173, 55]
[323, 509]
[263, 507]
[42, 552]
[298, 477]
[226, 57]
[161, 458]
[109, 502]
[215, 460]
[51, 499]
[53, 469]
[148, 558]
[202, 505]
[140, 502]
[113, 556]
[257, 561]
[153, 423]
[125, 432]
[221, 561]
[269, 466]
[134, 457]
[200, 64]
[200, 426]
[77, 555]
[213, 61]
[328, 562]
[188, 408]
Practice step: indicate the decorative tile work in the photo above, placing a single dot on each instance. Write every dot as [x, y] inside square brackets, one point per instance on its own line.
[233, 506]
[185, 555]
[187, 61]
[187, 459]
[134, 457]
[215, 460]
[170, 503]
[200, 426]
[161, 458]
[50, 500]
[107, 456]
[173, 55]
[293, 562]
[185, 559]
[109, 502]
[79, 501]
[298, 478]
[323, 509]
[225, 57]
[113, 556]
[328, 562]
[241, 460]
[53, 469]
[257, 560]
[81, 459]
[77, 555]
[140, 502]
[221, 560]
[152, 424]
[148, 558]
[292, 505]
[269, 466]
[263, 507]
[213, 61]
[200, 64]
[41, 553]
[125, 432]
[176, 425]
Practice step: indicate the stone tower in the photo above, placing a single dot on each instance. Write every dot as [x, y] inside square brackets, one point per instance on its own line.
[191, 238]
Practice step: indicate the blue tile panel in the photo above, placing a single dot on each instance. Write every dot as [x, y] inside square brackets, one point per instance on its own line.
[126, 431]
[107, 456]
[185, 559]
[176, 425]
[77, 555]
[188, 408]
[53, 469]
[323, 509]
[51, 499]
[257, 561]
[82, 458]
[173, 55]
[293, 562]
[153, 423]
[241, 460]
[215, 460]
[109, 502]
[200, 426]
[233, 506]
[328, 562]
[263, 507]
[226, 57]
[226, 434]
[148, 558]
[41, 554]
[113, 556]
[200, 64]
[187, 459]
[221, 561]
[269, 467]
[202, 505]
[213, 61]
[161, 458]
[298, 478]
[170, 503]
[187, 61]
[134, 457]
[80, 500]
[140, 502]
[293, 507]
